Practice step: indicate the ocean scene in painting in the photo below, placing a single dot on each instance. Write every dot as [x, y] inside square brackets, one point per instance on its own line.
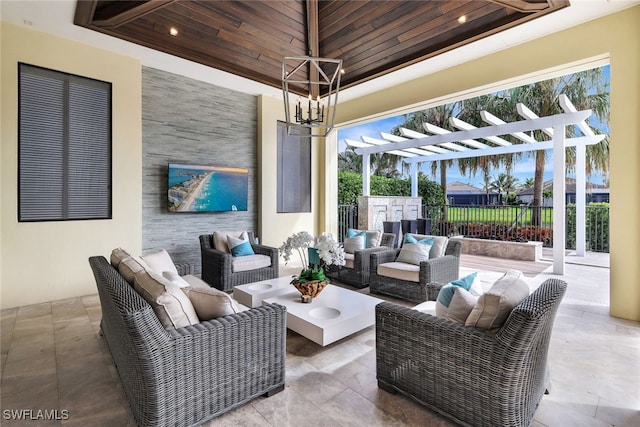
[194, 188]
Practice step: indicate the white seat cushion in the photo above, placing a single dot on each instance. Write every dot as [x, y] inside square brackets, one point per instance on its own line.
[428, 307]
[400, 270]
[250, 262]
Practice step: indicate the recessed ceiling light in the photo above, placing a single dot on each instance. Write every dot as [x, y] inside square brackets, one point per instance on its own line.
[173, 31]
[462, 19]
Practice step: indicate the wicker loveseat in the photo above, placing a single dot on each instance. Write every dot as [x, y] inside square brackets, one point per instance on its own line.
[185, 376]
[473, 377]
[218, 264]
[432, 274]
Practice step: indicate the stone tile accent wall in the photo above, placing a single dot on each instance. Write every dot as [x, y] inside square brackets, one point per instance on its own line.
[192, 122]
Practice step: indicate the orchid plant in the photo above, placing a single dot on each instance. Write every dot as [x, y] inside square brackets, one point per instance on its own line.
[329, 251]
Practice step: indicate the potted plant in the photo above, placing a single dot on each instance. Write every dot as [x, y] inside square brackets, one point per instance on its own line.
[315, 254]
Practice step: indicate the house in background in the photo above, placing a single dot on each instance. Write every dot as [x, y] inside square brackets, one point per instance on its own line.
[459, 193]
[596, 193]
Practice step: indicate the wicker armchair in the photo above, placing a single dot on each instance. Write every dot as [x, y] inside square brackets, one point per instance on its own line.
[185, 376]
[433, 274]
[356, 272]
[472, 377]
[217, 265]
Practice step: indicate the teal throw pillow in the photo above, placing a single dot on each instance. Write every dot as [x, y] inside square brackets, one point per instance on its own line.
[467, 283]
[371, 237]
[239, 247]
[415, 251]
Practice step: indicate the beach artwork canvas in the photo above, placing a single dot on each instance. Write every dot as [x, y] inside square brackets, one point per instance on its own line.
[199, 188]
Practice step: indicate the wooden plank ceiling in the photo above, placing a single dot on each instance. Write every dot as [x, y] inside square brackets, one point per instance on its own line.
[250, 38]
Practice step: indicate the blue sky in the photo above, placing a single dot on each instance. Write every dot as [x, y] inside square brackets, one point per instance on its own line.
[522, 169]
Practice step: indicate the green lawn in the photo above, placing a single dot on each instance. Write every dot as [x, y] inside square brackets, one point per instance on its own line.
[497, 214]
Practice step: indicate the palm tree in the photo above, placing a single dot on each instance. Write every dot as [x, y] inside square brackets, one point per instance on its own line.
[504, 183]
[438, 116]
[586, 90]
[349, 161]
[382, 164]
[470, 113]
[528, 183]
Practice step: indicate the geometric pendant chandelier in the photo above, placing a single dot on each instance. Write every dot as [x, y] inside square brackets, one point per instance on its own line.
[310, 84]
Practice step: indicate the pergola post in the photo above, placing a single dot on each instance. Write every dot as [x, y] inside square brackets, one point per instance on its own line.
[581, 200]
[366, 180]
[414, 179]
[559, 197]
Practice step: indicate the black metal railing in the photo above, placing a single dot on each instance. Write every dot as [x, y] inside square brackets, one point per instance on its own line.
[512, 223]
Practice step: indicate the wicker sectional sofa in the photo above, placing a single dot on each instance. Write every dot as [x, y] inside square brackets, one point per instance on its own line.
[185, 376]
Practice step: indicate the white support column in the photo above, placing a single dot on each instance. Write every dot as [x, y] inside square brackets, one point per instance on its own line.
[366, 170]
[559, 198]
[414, 179]
[581, 200]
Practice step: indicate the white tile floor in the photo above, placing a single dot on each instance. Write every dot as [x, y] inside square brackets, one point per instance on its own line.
[53, 358]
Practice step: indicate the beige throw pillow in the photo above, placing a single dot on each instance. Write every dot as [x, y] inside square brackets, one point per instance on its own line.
[211, 303]
[117, 255]
[493, 307]
[175, 279]
[460, 307]
[160, 262]
[129, 267]
[171, 305]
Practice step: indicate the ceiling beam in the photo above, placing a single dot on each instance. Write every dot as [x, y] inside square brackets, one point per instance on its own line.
[313, 44]
[122, 12]
[313, 37]
[522, 5]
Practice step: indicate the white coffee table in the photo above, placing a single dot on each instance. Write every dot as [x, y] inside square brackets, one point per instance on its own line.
[252, 294]
[332, 315]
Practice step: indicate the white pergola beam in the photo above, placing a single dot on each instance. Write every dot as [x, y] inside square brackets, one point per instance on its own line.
[526, 113]
[516, 148]
[462, 125]
[493, 120]
[440, 131]
[374, 141]
[356, 144]
[483, 132]
[406, 132]
[417, 135]
[568, 107]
